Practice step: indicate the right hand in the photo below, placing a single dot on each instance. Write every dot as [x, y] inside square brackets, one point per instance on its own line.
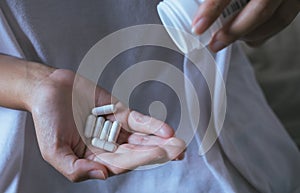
[257, 22]
[143, 140]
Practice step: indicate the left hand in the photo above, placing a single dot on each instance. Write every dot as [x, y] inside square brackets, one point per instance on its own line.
[59, 107]
[258, 21]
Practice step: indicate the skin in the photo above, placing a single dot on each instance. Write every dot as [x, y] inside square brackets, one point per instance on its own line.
[59, 108]
[257, 22]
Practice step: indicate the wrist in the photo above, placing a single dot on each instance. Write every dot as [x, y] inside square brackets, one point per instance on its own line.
[35, 76]
[19, 80]
[48, 86]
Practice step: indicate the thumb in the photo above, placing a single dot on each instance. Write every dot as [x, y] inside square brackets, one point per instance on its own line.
[75, 169]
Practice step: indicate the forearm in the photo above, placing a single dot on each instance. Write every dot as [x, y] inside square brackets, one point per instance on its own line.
[18, 80]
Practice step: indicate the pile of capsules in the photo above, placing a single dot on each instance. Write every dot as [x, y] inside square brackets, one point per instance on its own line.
[104, 134]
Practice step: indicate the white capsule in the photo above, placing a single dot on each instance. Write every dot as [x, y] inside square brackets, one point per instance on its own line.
[98, 127]
[102, 144]
[114, 132]
[109, 146]
[89, 126]
[104, 110]
[105, 131]
[96, 142]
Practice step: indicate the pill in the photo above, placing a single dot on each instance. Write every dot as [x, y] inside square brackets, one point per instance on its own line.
[98, 127]
[105, 130]
[114, 131]
[89, 126]
[102, 144]
[104, 110]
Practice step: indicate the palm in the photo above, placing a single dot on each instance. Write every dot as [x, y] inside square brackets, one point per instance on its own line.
[59, 115]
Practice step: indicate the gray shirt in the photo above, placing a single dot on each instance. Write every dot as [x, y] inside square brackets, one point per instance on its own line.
[246, 158]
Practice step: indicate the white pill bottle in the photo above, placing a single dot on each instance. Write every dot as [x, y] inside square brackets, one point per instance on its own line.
[177, 17]
[179, 14]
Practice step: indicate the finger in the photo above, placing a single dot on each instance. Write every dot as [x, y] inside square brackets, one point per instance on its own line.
[207, 13]
[129, 156]
[143, 139]
[150, 140]
[253, 15]
[174, 147]
[134, 121]
[281, 18]
[76, 170]
[149, 125]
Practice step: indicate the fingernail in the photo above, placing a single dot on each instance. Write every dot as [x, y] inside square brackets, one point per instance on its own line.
[97, 174]
[200, 26]
[218, 45]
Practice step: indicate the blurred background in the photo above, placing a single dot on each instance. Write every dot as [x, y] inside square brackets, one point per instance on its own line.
[277, 68]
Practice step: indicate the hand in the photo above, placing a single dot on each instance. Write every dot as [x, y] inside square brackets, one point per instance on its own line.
[257, 22]
[144, 140]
